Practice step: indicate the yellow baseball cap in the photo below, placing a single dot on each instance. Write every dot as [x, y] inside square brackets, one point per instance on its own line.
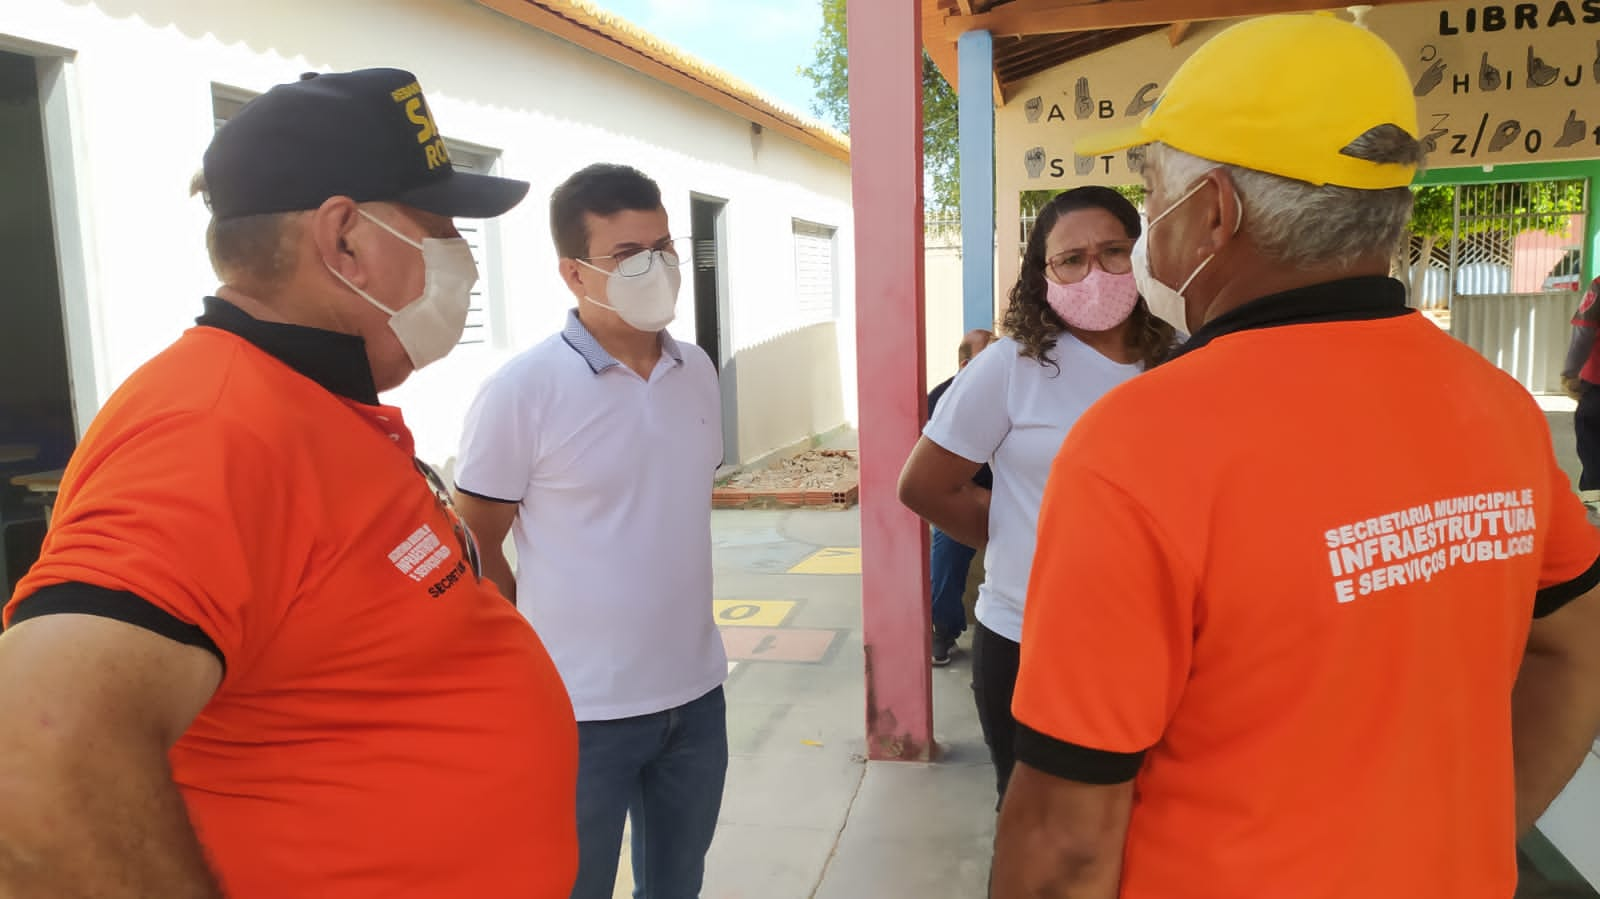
[1283, 95]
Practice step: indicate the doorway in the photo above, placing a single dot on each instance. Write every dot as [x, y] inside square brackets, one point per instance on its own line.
[709, 230]
[37, 431]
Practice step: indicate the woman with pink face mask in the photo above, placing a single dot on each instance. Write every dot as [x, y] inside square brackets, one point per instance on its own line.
[1075, 328]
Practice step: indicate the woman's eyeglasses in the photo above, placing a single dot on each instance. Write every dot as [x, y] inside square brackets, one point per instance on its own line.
[1072, 266]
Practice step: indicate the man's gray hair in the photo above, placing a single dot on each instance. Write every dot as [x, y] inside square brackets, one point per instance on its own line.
[1297, 223]
[252, 252]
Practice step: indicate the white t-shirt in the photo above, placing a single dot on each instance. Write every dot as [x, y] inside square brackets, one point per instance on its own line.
[612, 475]
[1014, 412]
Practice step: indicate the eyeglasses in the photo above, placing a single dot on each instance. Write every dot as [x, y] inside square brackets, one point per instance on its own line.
[1072, 266]
[633, 263]
[441, 495]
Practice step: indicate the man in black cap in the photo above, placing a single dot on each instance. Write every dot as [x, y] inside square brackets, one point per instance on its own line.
[256, 657]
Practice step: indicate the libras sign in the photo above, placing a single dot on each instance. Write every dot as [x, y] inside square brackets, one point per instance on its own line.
[1495, 84]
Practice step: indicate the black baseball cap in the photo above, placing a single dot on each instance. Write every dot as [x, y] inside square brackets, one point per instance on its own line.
[367, 135]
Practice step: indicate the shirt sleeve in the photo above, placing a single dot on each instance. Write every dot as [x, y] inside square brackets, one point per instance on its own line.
[937, 393]
[1570, 566]
[497, 445]
[1107, 636]
[711, 380]
[1586, 311]
[972, 416]
[187, 515]
[1578, 350]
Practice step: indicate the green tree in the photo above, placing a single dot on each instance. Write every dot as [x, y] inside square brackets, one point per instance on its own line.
[830, 73]
[941, 139]
[1432, 222]
[1491, 216]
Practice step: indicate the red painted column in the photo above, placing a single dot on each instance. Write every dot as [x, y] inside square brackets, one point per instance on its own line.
[886, 171]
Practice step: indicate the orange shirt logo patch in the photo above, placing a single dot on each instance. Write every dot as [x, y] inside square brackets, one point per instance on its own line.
[421, 554]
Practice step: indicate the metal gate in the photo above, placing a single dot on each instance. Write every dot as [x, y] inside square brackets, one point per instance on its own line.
[1525, 335]
[1501, 263]
[1506, 238]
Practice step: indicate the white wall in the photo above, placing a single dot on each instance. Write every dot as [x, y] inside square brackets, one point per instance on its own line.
[141, 75]
[942, 310]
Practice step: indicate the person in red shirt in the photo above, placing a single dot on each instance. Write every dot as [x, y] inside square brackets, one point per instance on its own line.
[1581, 377]
[256, 657]
[1272, 646]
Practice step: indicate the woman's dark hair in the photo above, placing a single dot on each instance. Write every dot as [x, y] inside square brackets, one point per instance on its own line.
[1031, 322]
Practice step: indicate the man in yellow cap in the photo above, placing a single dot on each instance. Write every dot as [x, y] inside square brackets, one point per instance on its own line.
[1273, 647]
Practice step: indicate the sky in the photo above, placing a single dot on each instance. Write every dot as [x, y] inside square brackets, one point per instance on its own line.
[761, 42]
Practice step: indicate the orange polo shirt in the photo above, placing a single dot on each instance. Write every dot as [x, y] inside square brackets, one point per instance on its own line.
[1284, 582]
[387, 725]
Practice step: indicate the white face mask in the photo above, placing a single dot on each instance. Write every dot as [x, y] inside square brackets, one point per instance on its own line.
[647, 302]
[1166, 303]
[431, 326]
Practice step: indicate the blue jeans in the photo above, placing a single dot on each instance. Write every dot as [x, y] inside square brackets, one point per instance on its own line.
[1586, 423]
[665, 771]
[949, 561]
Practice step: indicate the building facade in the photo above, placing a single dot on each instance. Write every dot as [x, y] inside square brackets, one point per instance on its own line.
[107, 105]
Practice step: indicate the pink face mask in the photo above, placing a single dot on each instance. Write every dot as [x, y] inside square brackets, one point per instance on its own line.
[1099, 302]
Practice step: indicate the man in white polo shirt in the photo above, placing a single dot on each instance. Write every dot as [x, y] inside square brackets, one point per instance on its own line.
[597, 448]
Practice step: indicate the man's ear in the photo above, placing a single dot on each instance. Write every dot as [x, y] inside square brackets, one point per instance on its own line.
[332, 226]
[572, 273]
[1226, 208]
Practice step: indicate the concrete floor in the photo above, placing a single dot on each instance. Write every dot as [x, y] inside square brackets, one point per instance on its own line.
[1558, 412]
[804, 815]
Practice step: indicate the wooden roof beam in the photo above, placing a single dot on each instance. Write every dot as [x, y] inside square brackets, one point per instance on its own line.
[1025, 17]
[946, 58]
[1045, 47]
[1047, 52]
[939, 38]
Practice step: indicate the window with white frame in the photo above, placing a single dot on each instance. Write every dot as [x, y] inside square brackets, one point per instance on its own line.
[816, 283]
[227, 101]
[481, 236]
